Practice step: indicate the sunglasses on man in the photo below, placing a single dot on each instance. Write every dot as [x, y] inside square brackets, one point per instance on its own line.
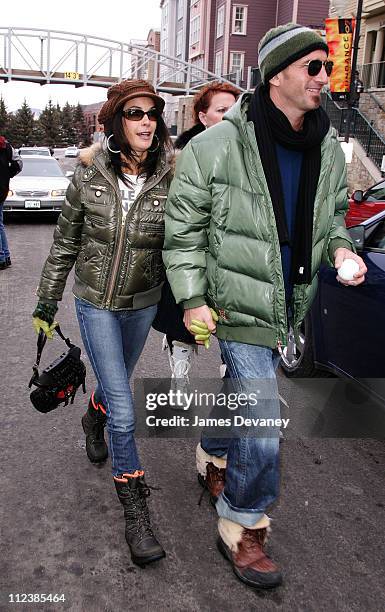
[137, 114]
[314, 67]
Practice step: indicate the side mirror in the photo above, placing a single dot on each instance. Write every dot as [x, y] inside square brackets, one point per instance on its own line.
[358, 196]
[69, 173]
[357, 234]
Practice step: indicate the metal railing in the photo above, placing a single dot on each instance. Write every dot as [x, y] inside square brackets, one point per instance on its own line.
[373, 75]
[58, 57]
[360, 128]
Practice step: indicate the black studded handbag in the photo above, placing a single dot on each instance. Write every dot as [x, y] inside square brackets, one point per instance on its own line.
[58, 382]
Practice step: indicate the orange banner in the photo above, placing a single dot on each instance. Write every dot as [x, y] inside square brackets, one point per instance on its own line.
[339, 38]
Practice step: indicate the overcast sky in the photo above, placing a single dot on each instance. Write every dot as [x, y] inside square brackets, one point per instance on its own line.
[121, 20]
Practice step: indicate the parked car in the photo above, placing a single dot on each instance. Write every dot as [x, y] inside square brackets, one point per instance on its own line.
[344, 333]
[365, 204]
[71, 152]
[43, 151]
[41, 185]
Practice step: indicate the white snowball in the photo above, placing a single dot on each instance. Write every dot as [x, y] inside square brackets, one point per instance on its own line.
[348, 269]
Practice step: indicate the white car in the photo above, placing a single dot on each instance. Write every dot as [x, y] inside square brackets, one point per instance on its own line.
[40, 186]
[71, 152]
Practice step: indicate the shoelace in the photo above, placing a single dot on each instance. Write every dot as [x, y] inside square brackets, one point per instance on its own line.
[138, 511]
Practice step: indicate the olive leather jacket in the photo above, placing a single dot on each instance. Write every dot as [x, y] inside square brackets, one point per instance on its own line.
[118, 262]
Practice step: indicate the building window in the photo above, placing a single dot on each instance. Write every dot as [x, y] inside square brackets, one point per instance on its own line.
[164, 45]
[195, 30]
[220, 20]
[180, 9]
[218, 63]
[179, 42]
[165, 15]
[239, 19]
[237, 59]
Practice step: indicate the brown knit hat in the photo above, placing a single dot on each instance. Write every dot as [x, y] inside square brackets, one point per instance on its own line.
[118, 94]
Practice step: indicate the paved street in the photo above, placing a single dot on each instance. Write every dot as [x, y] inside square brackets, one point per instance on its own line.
[62, 525]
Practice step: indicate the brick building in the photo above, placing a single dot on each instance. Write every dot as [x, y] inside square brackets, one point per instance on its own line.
[222, 37]
[91, 112]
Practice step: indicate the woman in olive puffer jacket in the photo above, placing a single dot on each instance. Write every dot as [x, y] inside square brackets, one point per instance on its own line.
[112, 229]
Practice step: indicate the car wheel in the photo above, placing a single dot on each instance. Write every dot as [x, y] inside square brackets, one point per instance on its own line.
[297, 360]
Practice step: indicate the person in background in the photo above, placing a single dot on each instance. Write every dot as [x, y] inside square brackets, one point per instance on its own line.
[358, 88]
[112, 229]
[10, 165]
[209, 106]
[255, 207]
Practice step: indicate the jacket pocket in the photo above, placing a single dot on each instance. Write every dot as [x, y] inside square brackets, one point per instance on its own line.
[89, 263]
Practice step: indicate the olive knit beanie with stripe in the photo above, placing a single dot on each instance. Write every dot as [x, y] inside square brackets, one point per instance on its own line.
[284, 45]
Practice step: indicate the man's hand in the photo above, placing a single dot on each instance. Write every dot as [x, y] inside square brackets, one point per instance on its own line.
[197, 319]
[359, 277]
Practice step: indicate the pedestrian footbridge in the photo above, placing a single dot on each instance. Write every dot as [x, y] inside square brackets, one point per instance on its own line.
[56, 57]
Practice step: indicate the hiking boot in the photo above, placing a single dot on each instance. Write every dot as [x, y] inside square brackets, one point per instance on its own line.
[133, 491]
[211, 473]
[93, 423]
[244, 548]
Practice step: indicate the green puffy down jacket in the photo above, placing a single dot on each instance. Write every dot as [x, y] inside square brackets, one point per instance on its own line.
[221, 244]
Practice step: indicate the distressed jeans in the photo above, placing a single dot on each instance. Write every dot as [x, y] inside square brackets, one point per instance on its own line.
[252, 472]
[114, 341]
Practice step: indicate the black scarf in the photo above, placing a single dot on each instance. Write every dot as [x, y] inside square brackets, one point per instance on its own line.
[272, 126]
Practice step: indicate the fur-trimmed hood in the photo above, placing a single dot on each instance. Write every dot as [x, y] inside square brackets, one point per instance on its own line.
[87, 156]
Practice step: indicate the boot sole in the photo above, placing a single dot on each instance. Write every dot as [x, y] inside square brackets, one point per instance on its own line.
[92, 459]
[202, 482]
[225, 551]
[145, 561]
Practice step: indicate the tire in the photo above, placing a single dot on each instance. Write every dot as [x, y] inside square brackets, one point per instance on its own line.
[302, 363]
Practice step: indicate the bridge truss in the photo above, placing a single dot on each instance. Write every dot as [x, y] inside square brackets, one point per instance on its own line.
[56, 57]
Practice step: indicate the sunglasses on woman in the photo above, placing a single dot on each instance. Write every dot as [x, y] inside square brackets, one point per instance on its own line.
[137, 114]
[315, 66]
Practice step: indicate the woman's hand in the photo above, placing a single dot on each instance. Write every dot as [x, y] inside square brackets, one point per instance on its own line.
[43, 318]
[40, 325]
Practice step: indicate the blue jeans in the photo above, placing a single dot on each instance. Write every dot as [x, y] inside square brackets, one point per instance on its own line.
[4, 250]
[252, 473]
[114, 342]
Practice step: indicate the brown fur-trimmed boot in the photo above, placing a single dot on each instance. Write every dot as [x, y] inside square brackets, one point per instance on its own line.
[244, 548]
[133, 491]
[211, 473]
[93, 423]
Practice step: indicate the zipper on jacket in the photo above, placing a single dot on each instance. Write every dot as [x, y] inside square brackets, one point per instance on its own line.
[120, 239]
[154, 180]
[116, 262]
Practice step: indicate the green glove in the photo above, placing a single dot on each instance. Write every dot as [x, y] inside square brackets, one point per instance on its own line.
[44, 318]
[200, 329]
[40, 325]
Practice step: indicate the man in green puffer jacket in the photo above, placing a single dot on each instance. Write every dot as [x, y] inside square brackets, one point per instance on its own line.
[257, 204]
